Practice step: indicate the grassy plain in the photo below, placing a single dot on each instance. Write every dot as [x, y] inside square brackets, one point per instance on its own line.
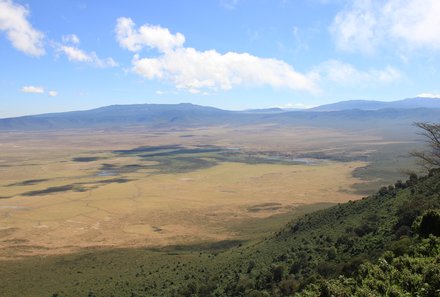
[93, 207]
[80, 189]
[63, 191]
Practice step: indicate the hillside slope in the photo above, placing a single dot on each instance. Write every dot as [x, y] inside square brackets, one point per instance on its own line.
[310, 251]
[319, 254]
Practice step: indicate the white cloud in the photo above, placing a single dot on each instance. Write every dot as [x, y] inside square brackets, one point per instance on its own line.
[344, 73]
[13, 21]
[147, 35]
[365, 25]
[355, 28]
[70, 48]
[293, 106]
[428, 95]
[71, 38]
[193, 70]
[38, 90]
[77, 55]
[32, 89]
[417, 22]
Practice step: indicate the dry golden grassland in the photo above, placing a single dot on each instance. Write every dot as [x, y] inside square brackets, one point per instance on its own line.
[53, 204]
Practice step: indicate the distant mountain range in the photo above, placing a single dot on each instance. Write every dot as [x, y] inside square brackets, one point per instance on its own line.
[118, 115]
[417, 102]
[349, 115]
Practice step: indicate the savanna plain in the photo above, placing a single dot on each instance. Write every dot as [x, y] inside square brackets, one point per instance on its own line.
[73, 199]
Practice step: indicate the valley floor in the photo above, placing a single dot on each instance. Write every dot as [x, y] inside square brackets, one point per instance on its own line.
[61, 194]
[151, 210]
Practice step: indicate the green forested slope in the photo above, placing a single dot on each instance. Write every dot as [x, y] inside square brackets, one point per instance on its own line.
[370, 247]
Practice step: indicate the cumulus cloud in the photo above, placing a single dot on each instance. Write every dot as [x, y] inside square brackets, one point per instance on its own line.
[71, 38]
[52, 93]
[365, 25]
[147, 35]
[194, 71]
[76, 54]
[14, 22]
[344, 73]
[32, 90]
[428, 95]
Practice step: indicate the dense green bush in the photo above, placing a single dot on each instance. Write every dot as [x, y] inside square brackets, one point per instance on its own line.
[429, 223]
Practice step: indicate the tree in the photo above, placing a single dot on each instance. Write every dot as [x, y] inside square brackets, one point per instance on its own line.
[429, 223]
[429, 159]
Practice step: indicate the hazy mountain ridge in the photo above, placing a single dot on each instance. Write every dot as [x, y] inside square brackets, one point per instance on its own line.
[409, 103]
[115, 115]
[190, 115]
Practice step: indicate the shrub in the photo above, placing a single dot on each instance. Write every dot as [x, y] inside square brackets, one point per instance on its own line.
[278, 273]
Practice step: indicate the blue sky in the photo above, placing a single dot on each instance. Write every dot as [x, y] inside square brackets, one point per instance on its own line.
[235, 54]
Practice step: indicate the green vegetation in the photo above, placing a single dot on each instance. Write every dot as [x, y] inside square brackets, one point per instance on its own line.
[383, 245]
[29, 182]
[316, 255]
[179, 159]
[85, 159]
[416, 273]
[387, 164]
